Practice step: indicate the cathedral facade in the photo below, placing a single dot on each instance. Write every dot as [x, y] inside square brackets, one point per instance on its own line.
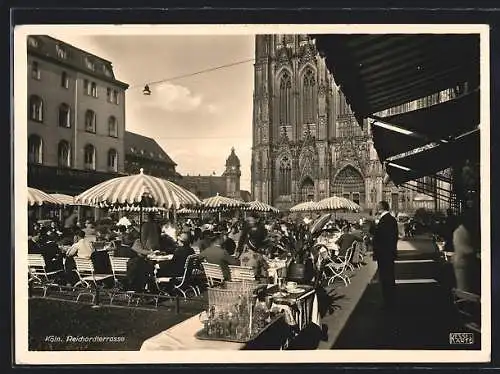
[307, 145]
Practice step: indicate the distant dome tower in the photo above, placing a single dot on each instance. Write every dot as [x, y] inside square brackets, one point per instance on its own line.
[232, 174]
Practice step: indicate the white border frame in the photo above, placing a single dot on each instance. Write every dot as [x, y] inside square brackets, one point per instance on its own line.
[23, 356]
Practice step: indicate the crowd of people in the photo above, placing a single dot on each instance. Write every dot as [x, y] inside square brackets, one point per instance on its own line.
[249, 242]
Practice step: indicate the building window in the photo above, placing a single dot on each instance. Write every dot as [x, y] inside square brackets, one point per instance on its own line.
[64, 115]
[113, 160]
[89, 64]
[90, 121]
[36, 108]
[86, 87]
[35, 149]
[61, 52]
[64, 154]
[308, 99]
[35, 70]
[93, 89]
[285, 99]
[89, 157]
[64, 80]
[112, 95]
[115, 97]
[113, 127]
[285, 173]
[33, 42]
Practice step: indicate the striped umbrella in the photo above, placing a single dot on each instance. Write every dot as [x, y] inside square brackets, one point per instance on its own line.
[219, 201]
[37, 197]
[138, 189]
[306, 206]
[64, 199]
[135, 208]
[338, 203]
[259, 206]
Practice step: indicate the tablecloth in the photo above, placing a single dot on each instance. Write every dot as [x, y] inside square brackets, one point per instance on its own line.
[182, 337]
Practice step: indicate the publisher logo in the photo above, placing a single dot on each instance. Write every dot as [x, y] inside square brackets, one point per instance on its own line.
[461, 338]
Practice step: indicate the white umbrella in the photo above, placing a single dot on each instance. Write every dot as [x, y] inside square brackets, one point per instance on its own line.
[38, 197]
[64, 199]
[219, 201]
[306, 206]
[136, 190]
[338, 203]
[259, 206]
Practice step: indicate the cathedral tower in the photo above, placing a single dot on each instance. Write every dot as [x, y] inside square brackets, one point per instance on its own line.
[306, 143]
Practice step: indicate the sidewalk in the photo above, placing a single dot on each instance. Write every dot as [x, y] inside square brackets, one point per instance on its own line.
[424, 317]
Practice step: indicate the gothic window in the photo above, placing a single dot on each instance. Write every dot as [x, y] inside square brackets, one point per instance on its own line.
[36, 108]
[35, 149]
[285, 99]
[307, 190]
[64, 115]
[113, 160]
[308, 99]
[89, 157]
[350, 184]
[285, 173]
[90, 121]
[64, 154]
[112, 127]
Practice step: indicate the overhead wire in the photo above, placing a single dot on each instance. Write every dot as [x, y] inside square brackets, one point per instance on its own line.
[219, 67]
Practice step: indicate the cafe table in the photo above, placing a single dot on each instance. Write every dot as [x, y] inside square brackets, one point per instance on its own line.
[298, 310]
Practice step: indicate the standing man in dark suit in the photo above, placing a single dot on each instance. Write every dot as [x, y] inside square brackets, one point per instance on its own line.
[385, 240]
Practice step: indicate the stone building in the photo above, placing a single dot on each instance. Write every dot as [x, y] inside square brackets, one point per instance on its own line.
[76, 117]
[307, 144]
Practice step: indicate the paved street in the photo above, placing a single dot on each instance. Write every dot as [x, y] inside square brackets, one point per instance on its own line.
[424, 316]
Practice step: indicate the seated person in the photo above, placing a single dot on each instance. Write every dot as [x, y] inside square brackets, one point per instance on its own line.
[130, 235]
[81, 248]
[253, 258]
[215, 254]
[229, 245]
[140, 270]
[346, 240]
[175, 267]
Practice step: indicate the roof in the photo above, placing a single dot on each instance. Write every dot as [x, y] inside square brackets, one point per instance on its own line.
[233, 160]
[63, 53]
[145, 147]
[376, 72]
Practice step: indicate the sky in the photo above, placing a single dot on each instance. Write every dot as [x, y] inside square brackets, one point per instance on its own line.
[196, 119]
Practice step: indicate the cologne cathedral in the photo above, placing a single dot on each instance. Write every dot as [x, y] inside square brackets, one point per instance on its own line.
[307, 145]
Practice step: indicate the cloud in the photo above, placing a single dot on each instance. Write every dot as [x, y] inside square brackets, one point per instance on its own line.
[213, 109]
[173, 98]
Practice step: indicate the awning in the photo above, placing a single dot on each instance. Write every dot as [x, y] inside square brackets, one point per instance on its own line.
[377, 72]
[435, 159]
[388, 141]
[442, 121]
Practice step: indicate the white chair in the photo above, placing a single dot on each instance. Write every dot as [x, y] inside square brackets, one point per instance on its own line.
[38, 276]
[213, 273]
[338, 267]
[182, 284]
[87, 277]
[241, 273]
[119, 268]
